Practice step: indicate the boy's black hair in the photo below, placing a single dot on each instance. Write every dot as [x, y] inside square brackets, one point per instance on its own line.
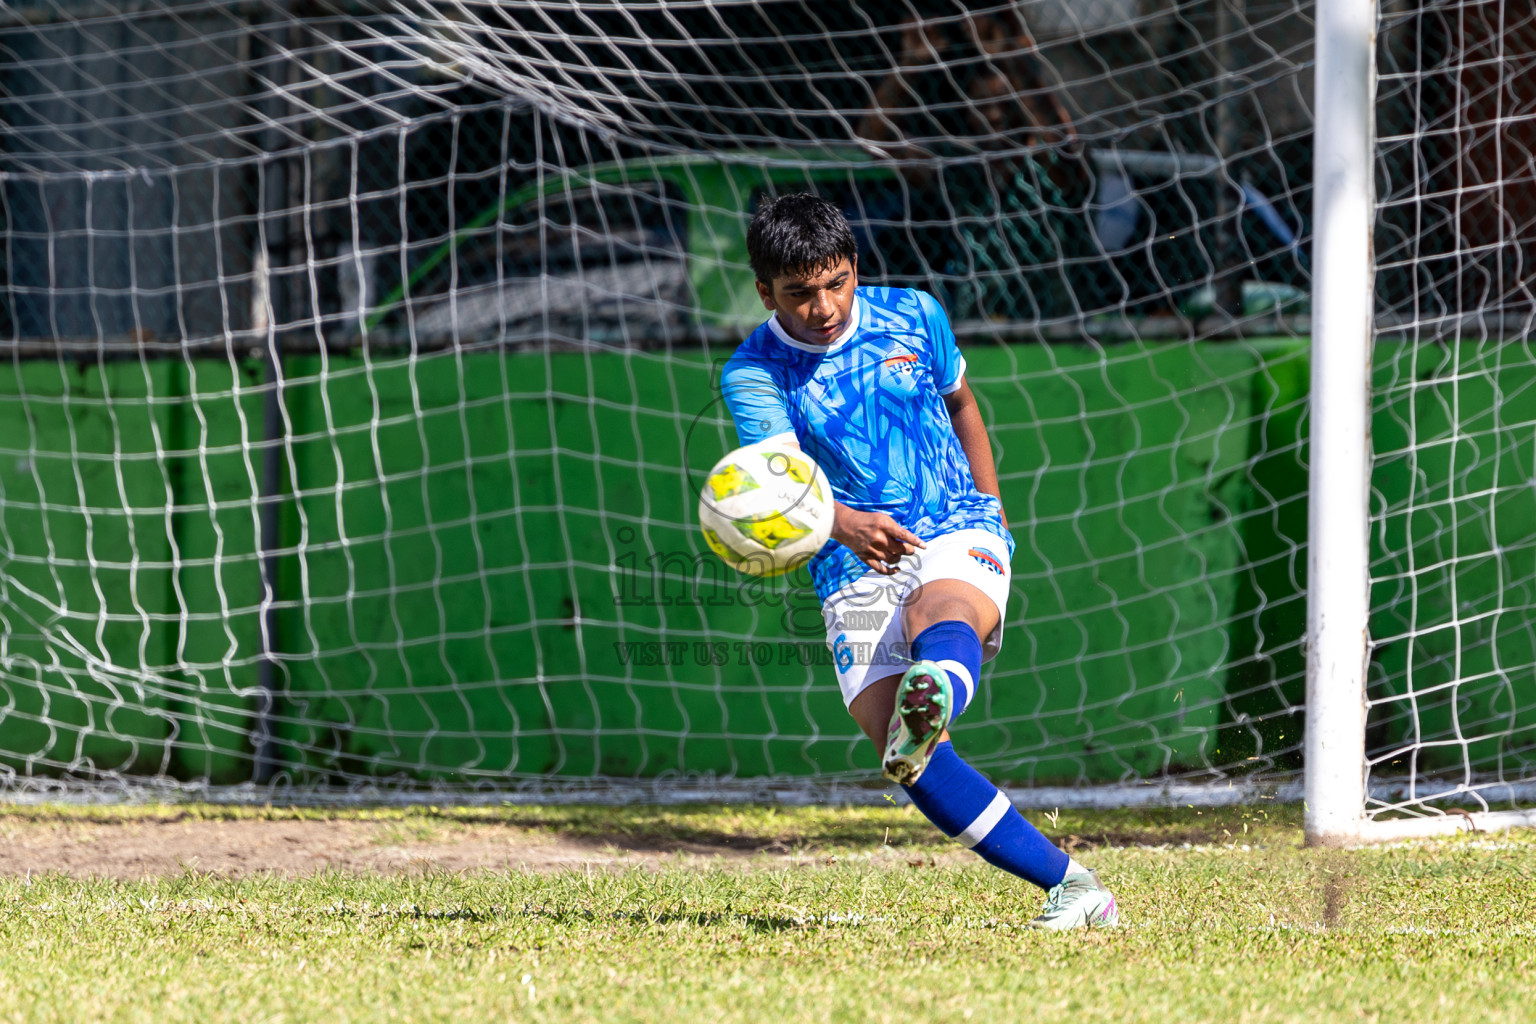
[799, 233]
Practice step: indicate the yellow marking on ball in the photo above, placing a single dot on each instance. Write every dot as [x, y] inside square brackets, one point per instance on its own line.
[730, 480]
[718, 547]
[798, 470]
[772, 529]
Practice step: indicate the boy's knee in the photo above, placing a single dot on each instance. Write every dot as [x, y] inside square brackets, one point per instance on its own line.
[978, 613]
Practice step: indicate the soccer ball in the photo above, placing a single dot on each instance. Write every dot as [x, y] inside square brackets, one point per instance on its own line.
[766, 508]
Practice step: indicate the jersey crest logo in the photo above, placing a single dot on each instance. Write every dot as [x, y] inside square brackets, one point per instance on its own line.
[987, 560]
[898, 373]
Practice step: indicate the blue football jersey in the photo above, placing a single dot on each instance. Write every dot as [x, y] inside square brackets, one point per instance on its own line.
[869, 408]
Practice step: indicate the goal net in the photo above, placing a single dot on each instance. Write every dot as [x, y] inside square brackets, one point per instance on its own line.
[1450, 719]
[361, 365]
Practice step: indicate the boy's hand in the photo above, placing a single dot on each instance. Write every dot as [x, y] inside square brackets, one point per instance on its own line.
[878, 540]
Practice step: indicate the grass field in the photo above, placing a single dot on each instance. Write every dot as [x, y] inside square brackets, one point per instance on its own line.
[816, 914]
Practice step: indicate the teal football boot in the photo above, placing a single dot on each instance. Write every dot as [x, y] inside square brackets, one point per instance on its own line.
[923, 703]
[1080, 901]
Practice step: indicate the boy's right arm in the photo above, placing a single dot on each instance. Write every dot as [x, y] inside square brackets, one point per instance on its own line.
[875, 537]
[756, 402]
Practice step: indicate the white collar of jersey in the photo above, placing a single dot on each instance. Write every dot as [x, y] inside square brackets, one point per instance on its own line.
[855, 312]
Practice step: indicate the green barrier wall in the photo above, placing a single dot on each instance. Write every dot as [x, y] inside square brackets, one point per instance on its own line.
[97, 544]
[489, 630]
[481, 553]
[1131, 475]
[1453, 668]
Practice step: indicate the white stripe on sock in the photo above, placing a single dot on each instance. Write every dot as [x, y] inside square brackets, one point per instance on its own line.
[960, 672]
[985, 822]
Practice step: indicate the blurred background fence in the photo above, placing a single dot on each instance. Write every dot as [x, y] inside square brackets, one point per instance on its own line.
[361, 361]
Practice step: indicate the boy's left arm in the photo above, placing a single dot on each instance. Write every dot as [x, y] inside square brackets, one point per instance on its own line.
[972, 432]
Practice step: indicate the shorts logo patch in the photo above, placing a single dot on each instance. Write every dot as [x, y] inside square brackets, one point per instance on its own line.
[987, 559]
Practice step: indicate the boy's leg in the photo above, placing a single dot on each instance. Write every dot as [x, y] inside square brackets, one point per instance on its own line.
[946, 619]
[952, 619]
[963, 804]
[943, 621]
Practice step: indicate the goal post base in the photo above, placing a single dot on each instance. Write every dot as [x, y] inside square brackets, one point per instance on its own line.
[1430, 826]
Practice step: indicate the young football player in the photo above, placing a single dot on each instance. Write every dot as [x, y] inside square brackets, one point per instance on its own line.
[870, 383]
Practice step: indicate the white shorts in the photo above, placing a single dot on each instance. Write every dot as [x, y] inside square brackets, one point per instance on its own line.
[863, 619]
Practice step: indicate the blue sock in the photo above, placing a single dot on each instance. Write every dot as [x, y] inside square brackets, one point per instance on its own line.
[968, 808]
[954, 647]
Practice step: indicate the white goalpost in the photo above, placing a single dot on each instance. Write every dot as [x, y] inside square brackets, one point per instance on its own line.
[1338, 605]
[1363, 783]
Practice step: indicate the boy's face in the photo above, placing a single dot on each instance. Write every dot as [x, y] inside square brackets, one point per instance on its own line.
[813, 306]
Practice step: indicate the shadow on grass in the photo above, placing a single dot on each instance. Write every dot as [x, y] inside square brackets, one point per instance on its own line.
[760, 923]
[1268, 824]
[742, 829]
[707, 829]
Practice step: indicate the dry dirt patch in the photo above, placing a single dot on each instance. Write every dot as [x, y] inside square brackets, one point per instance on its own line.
[136, 849]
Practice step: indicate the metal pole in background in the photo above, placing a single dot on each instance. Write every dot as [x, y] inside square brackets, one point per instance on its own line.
[263, 741]
[1338, 583]
[1227, 286]
[276, 251]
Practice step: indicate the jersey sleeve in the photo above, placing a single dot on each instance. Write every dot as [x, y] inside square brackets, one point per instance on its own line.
[757, 403]
[947, 365]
